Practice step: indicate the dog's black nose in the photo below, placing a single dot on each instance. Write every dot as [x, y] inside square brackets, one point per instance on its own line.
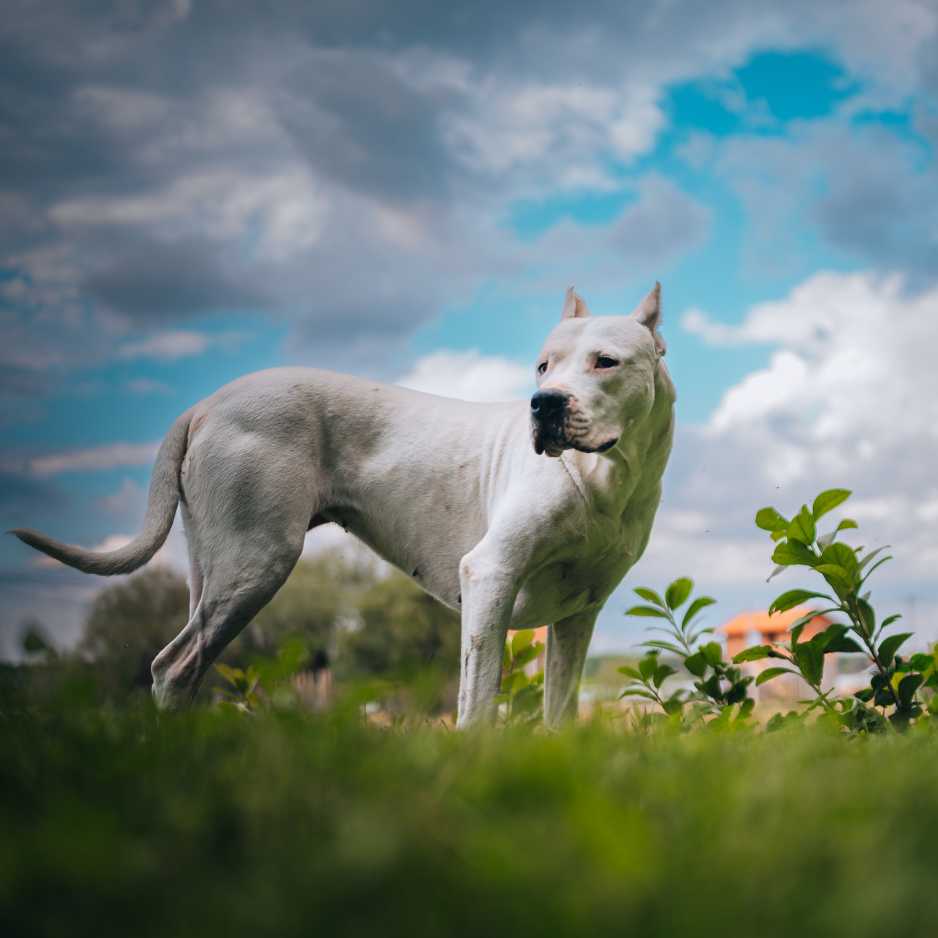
[547, 404]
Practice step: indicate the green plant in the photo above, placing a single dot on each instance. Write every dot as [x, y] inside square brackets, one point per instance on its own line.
[720, 688]
[521, 698]
[895, 683]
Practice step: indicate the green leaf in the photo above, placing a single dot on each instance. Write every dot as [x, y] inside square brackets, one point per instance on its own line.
[649, 595]
[630, 672]
[841, 555]
[889, 646]
[876, 565]
[810, 660]
[770, 673]
[701, 602]
[637, 692]
[648, 612]
[867, 617]
[793, 598]
[676, 594]
[526, 655]
[713, 654]
[837, 577]
[844, 643]
[802, 527]
[663, 672]
[647, 666]
[868, 558]
[520, 640]
[696, 664]
[829, 538]
[770, 520]
[828, 500]
[664, 646]
[920, 662]
[907, 688]
[755, 653]
[792, 553]
[889, 620]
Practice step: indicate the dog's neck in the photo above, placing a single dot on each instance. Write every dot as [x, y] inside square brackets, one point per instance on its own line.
[632, 469]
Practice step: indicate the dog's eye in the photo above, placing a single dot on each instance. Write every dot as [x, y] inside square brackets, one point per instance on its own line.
[604, 361]
[541, 368]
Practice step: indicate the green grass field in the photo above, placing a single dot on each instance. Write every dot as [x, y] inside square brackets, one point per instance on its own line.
[216, 823]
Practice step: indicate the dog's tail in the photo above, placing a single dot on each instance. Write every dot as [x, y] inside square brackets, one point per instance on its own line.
[161, 509]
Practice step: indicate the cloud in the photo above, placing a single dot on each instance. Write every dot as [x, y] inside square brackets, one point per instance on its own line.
[126, 499]
[849, 397]
[469, 376]
[175, 344]
[147, 386]
[94, 459]
[662, 224]
[863, 190]
[194, 163]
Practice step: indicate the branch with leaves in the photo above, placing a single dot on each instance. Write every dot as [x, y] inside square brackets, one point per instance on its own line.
[719, 686]
[895, 683]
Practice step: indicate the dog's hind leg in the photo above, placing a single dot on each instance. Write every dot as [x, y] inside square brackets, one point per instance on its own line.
[567, 644]
[233, 593]
[195, 571]
[244, 540]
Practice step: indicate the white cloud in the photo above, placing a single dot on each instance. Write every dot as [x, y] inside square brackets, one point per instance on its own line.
[147, 386]
[175, 344]
[563, 131]
[166, 346]
[96, 458]
[128, 497]
[469, 376]
[283, 213]
[849, 398]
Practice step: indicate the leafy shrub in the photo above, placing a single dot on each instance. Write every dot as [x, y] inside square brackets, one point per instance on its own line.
[720, 688]
[896, 683]
[904, 689]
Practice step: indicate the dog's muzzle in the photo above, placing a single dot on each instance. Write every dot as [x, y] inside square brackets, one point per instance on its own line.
[557, 423]
[548, 422]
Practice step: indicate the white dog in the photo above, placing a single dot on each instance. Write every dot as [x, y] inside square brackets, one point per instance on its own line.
[452, 493]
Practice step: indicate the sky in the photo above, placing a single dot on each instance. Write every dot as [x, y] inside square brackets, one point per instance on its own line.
[195, 189]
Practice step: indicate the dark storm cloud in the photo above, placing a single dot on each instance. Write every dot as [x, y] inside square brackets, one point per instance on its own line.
[354, 119]
[160, 281]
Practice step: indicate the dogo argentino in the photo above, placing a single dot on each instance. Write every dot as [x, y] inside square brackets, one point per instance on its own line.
[515, 514]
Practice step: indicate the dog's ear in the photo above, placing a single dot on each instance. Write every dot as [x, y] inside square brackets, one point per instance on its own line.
[648, 313]
[573, 306]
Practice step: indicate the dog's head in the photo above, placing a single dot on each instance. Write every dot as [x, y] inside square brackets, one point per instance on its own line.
[595, 376]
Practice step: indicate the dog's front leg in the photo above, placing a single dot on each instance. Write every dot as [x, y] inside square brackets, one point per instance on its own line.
[488, 596]
[567, 644]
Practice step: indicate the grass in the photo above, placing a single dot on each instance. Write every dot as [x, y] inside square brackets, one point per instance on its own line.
[283, 823]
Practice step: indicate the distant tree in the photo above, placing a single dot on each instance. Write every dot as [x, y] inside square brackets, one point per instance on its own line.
[322, 593]
[404, 635]
[129, 622]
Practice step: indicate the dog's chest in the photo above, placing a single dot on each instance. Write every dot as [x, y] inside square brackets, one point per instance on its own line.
[579, 578]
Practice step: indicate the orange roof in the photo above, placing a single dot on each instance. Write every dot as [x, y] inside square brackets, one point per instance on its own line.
[763, 623]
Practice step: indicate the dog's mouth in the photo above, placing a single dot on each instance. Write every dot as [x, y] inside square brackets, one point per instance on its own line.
[552, 441]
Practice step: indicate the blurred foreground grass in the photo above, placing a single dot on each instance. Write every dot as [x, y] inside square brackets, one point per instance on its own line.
[213, 823]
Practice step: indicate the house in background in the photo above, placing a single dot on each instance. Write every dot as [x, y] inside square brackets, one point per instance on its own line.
[754, 628]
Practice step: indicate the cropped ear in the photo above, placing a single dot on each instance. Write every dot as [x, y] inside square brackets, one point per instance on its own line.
[648, 313]
[573, 306]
